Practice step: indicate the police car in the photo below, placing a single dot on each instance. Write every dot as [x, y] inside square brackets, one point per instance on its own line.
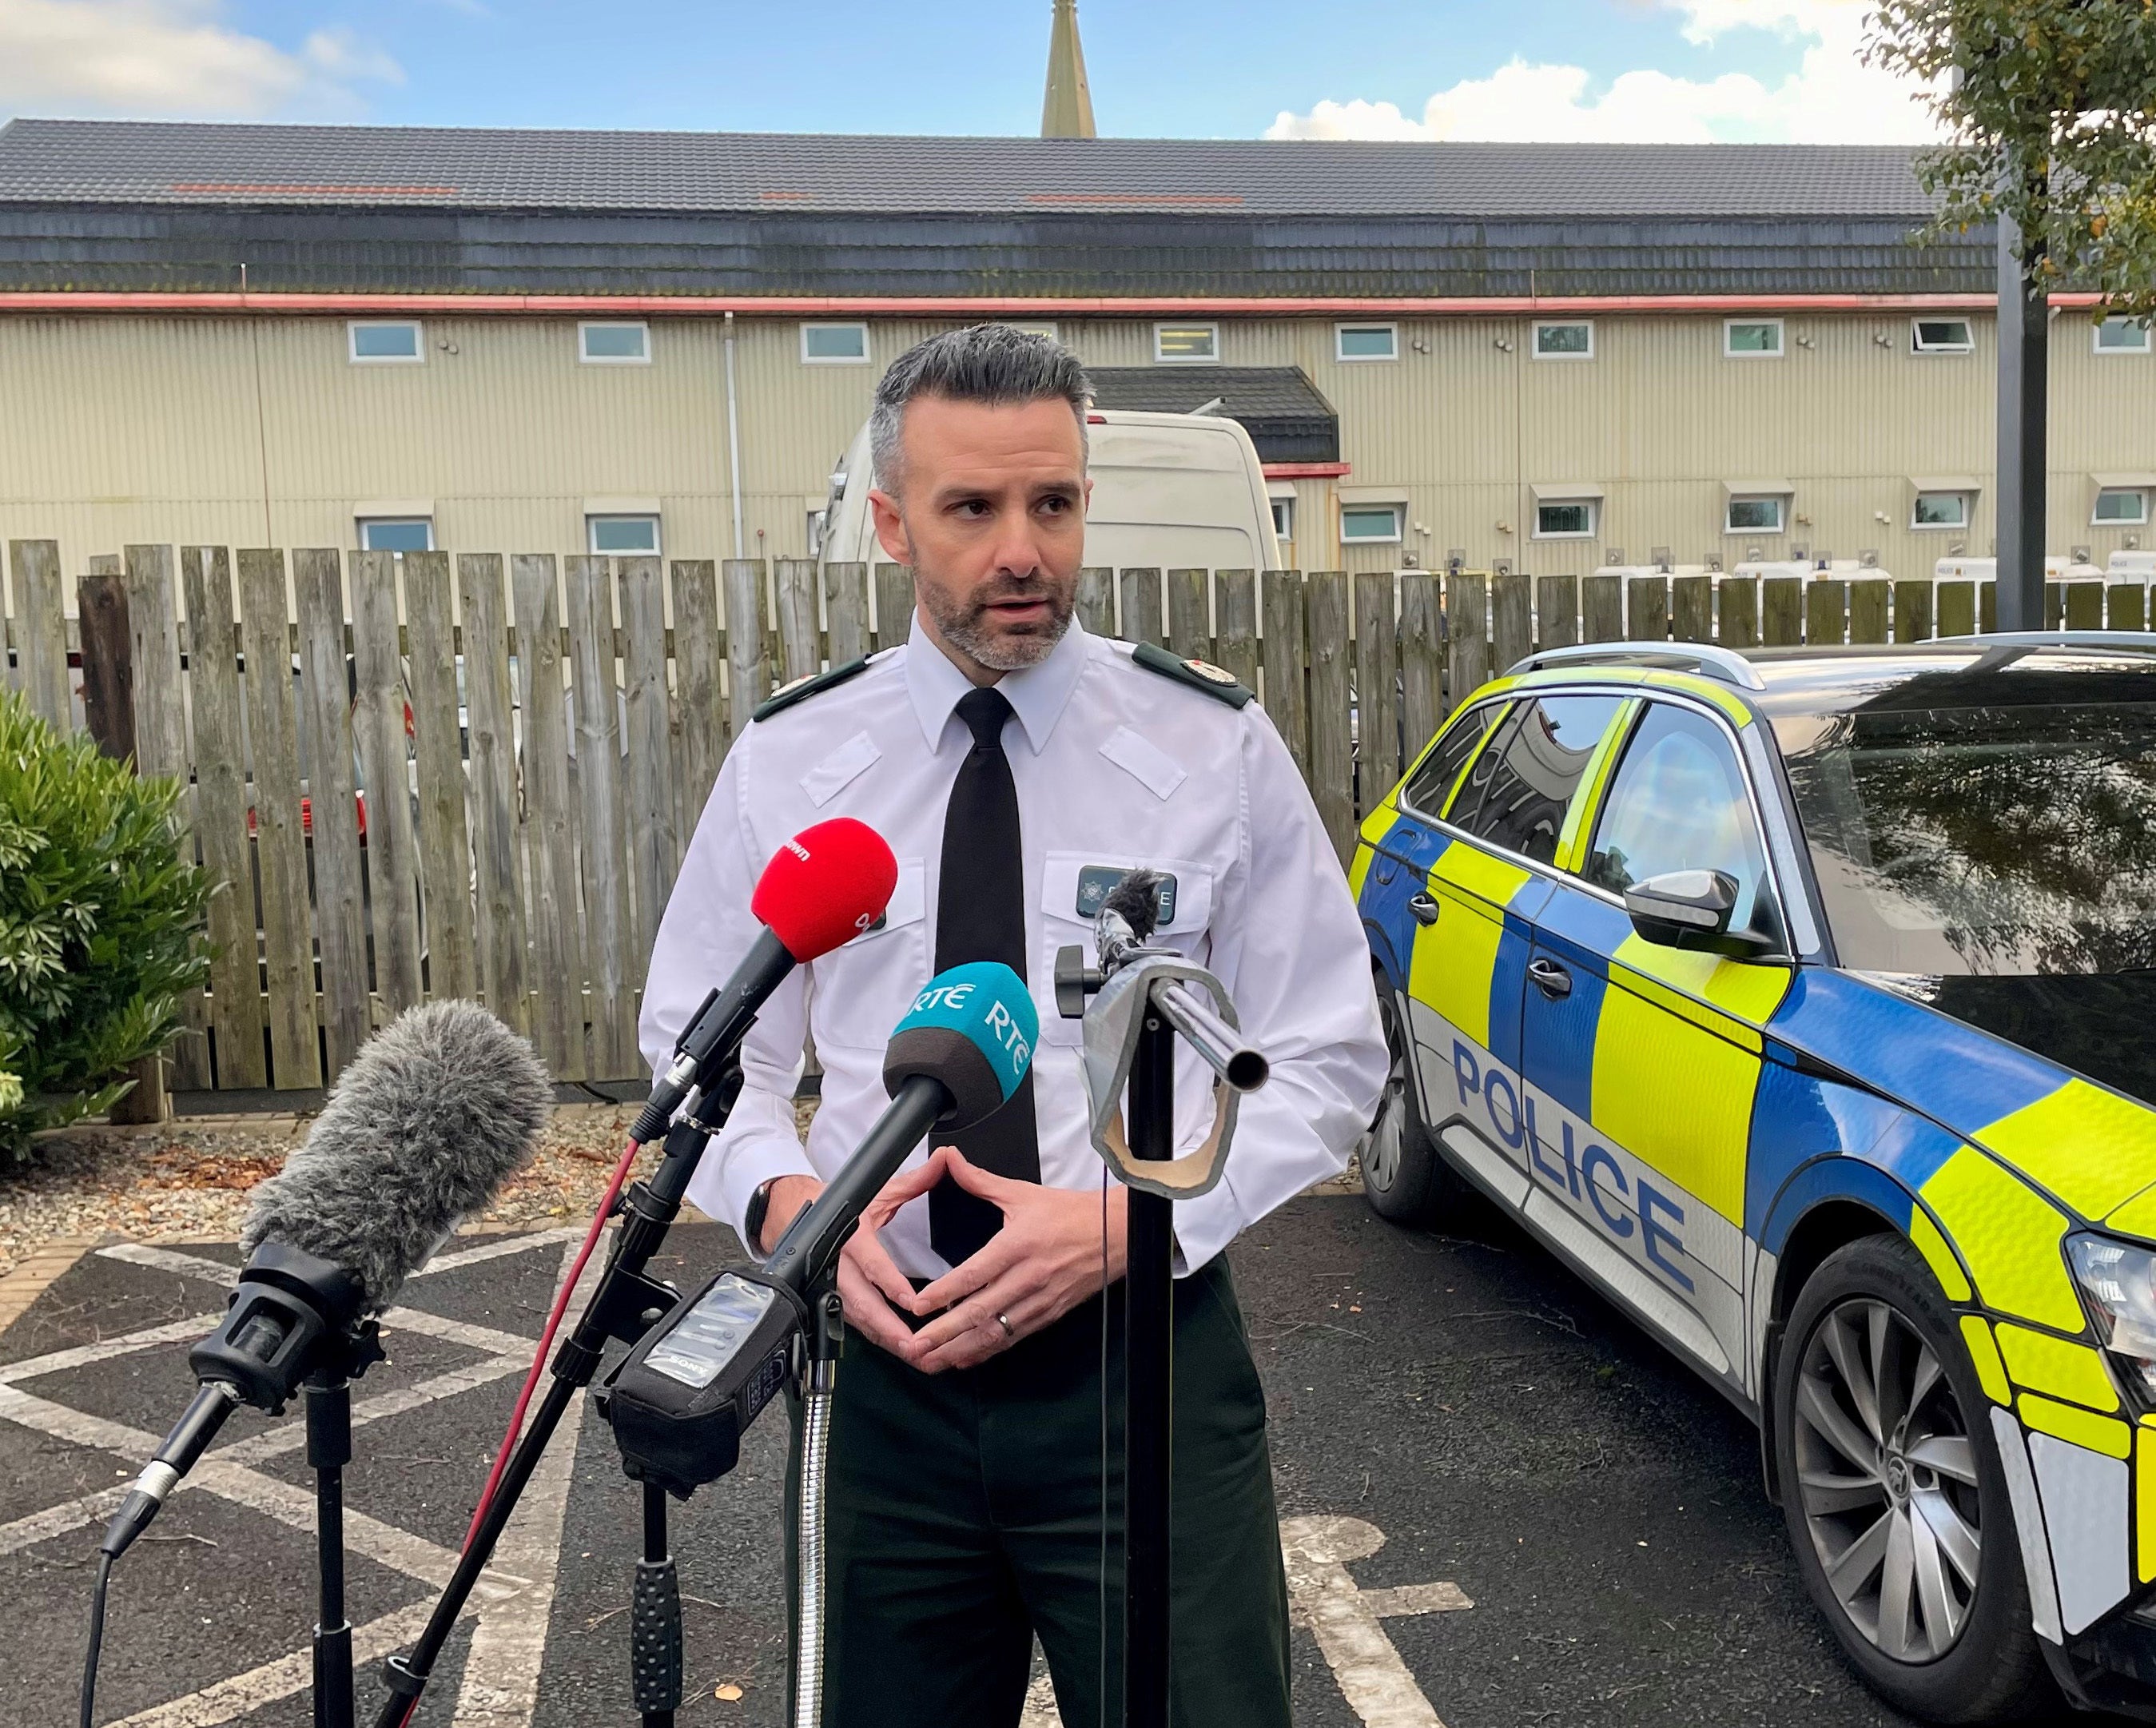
[1802, 1001]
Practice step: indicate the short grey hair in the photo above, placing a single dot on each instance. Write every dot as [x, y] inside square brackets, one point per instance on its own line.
[989, 363]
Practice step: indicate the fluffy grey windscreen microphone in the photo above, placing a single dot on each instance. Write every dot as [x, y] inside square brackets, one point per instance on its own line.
[1136, 900]
[434, 1115]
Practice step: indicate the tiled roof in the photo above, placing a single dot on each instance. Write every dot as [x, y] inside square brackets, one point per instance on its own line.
[139, 162]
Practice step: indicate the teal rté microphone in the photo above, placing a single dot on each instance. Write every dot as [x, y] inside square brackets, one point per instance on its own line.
[955, 1059]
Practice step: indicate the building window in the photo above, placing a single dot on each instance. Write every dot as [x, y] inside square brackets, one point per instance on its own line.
[1940, 510]
[1753, 516]
[1186, 344]
[2121, 335]
[397, 533]
[834, 344]
[1752, 338]
[1566, 519]
[615, 344]
[623, 536]
[1366, 341]
[1571, 340]
[1369, 524]
[1283, 519]
[384, 342]
[1940, 335]
[2121, 507]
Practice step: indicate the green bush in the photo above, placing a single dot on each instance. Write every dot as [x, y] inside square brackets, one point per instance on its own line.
[101, 925]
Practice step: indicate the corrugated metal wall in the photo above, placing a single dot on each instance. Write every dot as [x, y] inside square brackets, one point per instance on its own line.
[248, 431]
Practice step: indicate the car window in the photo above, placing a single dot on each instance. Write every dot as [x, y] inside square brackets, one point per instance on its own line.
[1431, 783]
[1678, 802]
[1516, 794]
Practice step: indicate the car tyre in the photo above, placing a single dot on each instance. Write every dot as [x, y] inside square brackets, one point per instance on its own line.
[1888, 1466]
[1404, 1176]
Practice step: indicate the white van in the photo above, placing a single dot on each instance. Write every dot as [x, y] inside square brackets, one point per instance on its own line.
[1174, 491]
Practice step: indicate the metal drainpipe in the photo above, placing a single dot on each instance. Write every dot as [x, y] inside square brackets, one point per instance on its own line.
[733, 438]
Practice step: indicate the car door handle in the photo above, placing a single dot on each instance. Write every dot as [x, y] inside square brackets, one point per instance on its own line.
[1424, 908]
[1551, 979]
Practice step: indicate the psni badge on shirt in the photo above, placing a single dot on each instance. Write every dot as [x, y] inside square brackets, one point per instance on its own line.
[1096, 880]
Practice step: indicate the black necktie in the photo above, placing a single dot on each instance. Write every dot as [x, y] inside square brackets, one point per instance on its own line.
[980, 915]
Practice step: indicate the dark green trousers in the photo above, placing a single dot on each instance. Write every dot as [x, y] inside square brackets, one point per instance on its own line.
[965, 1518]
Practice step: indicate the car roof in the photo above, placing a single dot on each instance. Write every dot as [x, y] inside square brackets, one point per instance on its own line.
[2000, 669]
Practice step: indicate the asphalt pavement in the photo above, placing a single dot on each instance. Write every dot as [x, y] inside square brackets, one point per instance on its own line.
[1503, 1505]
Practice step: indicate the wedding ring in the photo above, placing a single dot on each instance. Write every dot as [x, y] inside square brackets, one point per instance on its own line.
[1004, 1321]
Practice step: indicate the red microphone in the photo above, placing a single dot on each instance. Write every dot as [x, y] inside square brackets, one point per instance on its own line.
[822, 888]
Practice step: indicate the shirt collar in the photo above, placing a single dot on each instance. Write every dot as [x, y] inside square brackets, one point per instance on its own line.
[1037, 695]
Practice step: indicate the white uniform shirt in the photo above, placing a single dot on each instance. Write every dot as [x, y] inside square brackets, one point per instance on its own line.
[1116, 766]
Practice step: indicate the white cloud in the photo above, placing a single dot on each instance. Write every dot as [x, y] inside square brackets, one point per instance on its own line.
[1828, 96]
[171, 58]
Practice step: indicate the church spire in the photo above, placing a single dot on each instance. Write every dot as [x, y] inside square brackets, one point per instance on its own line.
[1066, 110]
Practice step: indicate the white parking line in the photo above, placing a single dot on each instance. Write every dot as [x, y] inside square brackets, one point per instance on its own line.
[1323, 1597]
[81, 1355]
[229, 1700]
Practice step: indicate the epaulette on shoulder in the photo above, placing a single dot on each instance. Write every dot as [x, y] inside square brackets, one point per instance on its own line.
[801, 689]
[1200, 674]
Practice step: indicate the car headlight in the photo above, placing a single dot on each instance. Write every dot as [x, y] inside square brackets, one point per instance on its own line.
[2118, 1283]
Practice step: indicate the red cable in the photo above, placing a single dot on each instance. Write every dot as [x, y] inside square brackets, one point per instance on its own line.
[546, 1336]
[539, 1358]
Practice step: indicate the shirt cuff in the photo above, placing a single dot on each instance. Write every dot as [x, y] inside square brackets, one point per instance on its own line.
[725, 1192]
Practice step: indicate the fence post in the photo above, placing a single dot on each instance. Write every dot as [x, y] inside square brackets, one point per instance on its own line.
[1466, 622]
[1557, 611]
[608, 933]
[557, 910]
[1602, 608]
[894, 605]
[1097, 599]
[444, 832]
[1236, 598]
[697, 702]
[1867, 609]
[1691, 608]
[1331, 748]
[747, 667]
[1376, 675]
[108, 703]
[483, 600]
[1647, 609]
[1282, 650]
[1913, 611]
[1422, 661]
[41, 629]
[2126, 606]
[326, 724]
[1740, 612]
[1141, 607]
[846, 611]
[1825, 607]
[1189, 629]
[2084, 605]
[1511, 621]
[800, 649]
[648, 764]
[1784, 626]
[1957, 604]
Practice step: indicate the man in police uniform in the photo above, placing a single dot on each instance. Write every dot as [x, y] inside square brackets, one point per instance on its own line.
[1018, 766]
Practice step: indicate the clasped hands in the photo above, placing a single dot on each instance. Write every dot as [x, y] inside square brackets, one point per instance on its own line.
[1046, 1260]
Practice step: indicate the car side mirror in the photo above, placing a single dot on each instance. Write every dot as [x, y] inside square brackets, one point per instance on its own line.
[1691, 909]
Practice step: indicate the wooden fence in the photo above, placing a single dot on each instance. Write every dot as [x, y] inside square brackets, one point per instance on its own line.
[475, 776]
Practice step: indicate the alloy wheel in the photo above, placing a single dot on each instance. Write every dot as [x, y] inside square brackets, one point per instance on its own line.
[1381, 1153]
[1886, 1477]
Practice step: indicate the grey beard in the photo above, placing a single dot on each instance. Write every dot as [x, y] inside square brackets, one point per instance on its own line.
[998, 653]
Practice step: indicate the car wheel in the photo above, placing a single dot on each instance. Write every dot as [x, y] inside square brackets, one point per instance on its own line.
[1404, 1176]
[1895, 1499]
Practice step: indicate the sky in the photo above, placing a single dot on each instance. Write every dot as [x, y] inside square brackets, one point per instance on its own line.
[1602, 70]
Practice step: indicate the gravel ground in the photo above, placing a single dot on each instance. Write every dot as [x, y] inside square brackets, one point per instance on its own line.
[188, 1180]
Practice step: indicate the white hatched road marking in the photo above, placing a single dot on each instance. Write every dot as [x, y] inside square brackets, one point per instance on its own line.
[1343, 1619]
[514, 1598]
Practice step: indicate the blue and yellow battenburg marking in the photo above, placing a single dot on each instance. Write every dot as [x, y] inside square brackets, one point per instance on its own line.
[1762, 1092]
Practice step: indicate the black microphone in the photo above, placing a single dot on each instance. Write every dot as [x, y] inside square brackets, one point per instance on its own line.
[823, 887]
[433, 1116]
[955, 1060]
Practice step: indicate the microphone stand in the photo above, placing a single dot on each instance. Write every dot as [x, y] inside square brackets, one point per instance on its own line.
[625, 1304]
[1148, 1000]
[329, 1449]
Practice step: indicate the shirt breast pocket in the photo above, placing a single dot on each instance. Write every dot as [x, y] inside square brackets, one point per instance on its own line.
[858, 992]
[1072, 885]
